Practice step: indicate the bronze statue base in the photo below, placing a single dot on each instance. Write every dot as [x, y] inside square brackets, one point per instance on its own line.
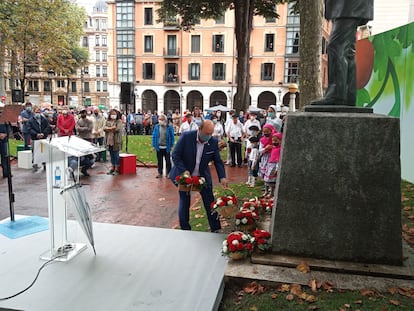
[337, 108]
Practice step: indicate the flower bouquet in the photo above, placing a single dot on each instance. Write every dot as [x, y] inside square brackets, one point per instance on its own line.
[237, 245]
[261, 240]
[251, 205]
[186, 182]
[246, 220]
[266, 205]
[226, 206]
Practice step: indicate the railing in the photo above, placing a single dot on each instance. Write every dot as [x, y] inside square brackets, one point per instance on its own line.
[171, 78]
[171, 53]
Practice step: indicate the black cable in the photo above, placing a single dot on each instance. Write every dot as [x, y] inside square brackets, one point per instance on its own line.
[35, 279]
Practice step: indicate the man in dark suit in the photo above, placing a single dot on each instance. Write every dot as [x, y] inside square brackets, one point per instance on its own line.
[4, 140]
[193, 153]
[346, 16]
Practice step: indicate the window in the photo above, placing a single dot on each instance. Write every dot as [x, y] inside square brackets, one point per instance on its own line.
[125, 43]
[46, 86]
[195, 43]
[86, 87]
[98, 86]
[126, 72]
[33, 85]
[73, 86]
[104, 86]
[220, 20]
[98, 71]
[98, 56]
[171, 72]
[269, 42]
[218, 43]
[194, 71]
[104, 71]
[60, 83]
[96, 24]
[104, 56]
[96, 40]
[148, 71]
[104, 40]
[125, 14]
[291, 72]
[103, 24]
[85, 42]
[171, 45]
[219, 71]
[292, 18]
[268, 72]
[292, 40]
[148, 44]
[148, 16]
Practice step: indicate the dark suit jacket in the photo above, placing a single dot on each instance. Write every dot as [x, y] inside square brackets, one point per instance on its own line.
[36, 128]
[184, 157]
[359, 9]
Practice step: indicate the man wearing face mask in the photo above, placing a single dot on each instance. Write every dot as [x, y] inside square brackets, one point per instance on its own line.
[39, 128]
[84, 126]
[65, 123]
[162, 142]
[192, 154]
[25, 116]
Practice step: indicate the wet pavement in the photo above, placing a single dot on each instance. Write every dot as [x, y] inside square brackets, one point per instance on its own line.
[139, 200]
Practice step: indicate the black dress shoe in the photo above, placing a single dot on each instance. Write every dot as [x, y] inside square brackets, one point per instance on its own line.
[85, 174]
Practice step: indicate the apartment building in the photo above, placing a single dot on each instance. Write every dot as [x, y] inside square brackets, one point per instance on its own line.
[157, 66]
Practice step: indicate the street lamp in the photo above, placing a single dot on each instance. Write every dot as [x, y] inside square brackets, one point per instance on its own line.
[293, 88]
[51, 75]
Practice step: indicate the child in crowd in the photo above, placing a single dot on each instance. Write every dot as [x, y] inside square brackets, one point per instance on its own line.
[253, 161]
[272, 166]
[265, 148]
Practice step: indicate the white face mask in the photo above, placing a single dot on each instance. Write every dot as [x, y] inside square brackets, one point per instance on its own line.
[162, 122]
[113, 116]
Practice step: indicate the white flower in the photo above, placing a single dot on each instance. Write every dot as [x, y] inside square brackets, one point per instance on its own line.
[225, 243]
[252, 240]
[201, 181]
[235, 242]
[252, 200]
[230, 202]
[245, 237]
[244, 220]
[237, 222]
[225, 249]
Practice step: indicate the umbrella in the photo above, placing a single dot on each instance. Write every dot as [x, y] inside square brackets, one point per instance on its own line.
[254, 109]
[75, 197]
[219, 107]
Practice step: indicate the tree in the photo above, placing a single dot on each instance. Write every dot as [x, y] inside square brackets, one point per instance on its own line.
[40, 35]
[244, 10]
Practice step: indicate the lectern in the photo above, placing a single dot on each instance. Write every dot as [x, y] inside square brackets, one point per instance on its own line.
[55, 153]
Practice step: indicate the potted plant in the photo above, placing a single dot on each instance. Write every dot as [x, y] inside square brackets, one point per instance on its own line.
[237, 245]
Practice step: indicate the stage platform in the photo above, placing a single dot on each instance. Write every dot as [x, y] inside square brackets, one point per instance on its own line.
[136, 268]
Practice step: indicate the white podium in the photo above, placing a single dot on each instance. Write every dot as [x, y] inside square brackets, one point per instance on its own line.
[55, 153]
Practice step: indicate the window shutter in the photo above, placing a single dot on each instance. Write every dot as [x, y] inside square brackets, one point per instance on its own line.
[213, 72]
[153, 71]
[262, 72]
[144, 71]
[273, 72]
[224, 72]
[190, 77]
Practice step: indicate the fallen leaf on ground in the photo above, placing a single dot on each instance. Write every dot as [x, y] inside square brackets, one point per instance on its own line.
[312, 285]
[284, 288]
[394, 302]
[199, 225]
[296, 290]
[408, 292]
[197, 216]
[253, 288]
[303, 267]
[310, 298]
[274, 296]
[407, 208]
[358, 302]
[367, 292]
[290, 297]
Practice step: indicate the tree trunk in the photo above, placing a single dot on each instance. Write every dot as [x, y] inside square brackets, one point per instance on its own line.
[243, 12]
[311, 19]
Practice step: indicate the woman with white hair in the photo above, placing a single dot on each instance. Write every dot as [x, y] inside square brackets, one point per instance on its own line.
[163, 141]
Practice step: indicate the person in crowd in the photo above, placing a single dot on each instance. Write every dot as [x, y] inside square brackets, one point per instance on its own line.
[84, 126]
[272, 166]
[147, 122]
[192, 154]
[241, 117]
[235, 133]
[66, 123]
[226, 126]
[154, 119]
[83, 162]
[98, 133]
[220, 117]
[273, 119]
[52, 119]
[197, 116]
[253, 161]
[39, 128]
[4, 141]
[25, 116]
[163, 141]
[131, 127]
[252, 120]
[265, 148]
[218, 129]
[176, 119]
[169, 117]
[188, 125]
[139, 123]
[113, 139]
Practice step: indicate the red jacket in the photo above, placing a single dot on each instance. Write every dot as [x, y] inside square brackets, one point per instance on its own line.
[65, 123]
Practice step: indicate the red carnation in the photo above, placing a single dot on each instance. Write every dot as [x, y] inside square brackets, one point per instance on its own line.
[196, 180]
[188, 181]
[177, 178]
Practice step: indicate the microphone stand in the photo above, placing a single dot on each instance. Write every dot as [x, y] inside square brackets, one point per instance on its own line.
[9, 174]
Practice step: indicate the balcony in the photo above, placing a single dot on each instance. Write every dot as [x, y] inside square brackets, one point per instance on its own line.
[171, 53]
[171, 78]
[171, 24]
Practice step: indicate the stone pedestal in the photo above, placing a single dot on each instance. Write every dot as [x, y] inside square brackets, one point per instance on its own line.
[339, 188]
